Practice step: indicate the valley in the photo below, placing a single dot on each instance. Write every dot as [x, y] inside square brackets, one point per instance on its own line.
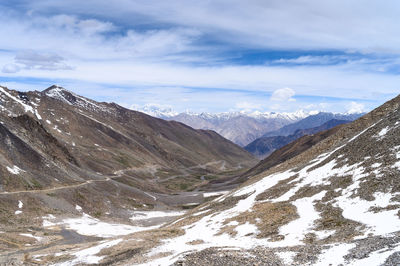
[199, 133]
[77, 172]
[85, 182]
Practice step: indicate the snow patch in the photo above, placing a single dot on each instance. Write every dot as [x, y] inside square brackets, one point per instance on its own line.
[357, 209]
[383, 132]
[88, 256]
[295, 231]
[38, 238]
[246, 229]
[15, 170]
[89, 226]
[335, 255]
[286, 256]
[377, 257]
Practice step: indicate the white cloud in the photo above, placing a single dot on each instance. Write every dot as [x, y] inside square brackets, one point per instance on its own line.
[307, 59]
[10, 68]
[283, 95]
[132, 44]
[30, 59]
[354, 108]
[366, 25]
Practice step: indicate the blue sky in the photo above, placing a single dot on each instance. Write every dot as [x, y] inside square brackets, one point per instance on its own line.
[210, 56]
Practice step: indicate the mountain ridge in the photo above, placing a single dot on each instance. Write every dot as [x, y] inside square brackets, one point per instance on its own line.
[335, 203]
[264, 146]
[243, 127]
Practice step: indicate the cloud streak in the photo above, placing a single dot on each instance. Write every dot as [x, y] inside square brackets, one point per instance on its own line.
[344, 50]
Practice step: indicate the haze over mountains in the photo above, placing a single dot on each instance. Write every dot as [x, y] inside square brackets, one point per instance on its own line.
[244, 127]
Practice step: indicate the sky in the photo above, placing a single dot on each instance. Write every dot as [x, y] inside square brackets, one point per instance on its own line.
[207, 56]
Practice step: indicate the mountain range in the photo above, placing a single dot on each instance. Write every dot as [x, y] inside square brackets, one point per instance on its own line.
[239, 127]
[243, 127]
[264, 146]
[86, 182]
[71, 147]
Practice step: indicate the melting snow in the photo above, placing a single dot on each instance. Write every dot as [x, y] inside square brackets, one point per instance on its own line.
[57, 93]
[286, 256]
[87, 225]
[383, 132]
[15, 170]
[88, 256]
[376, 165]
[334, 255]
[246, 229]
[38, 238]
[295, 231]
[379, 223]
[362, 132]
[27, 108]
[324, 233]
[377, 257]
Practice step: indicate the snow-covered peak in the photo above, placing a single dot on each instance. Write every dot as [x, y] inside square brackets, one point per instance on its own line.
[156, 110]
[59, 93]
[167, 112]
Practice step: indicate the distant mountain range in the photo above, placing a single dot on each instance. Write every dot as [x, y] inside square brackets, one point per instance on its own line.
[244, 127]
[264, 146]
[314, 120]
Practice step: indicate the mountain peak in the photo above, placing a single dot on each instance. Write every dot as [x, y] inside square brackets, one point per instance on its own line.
[60, 93]
[55, 88]
[64, 95]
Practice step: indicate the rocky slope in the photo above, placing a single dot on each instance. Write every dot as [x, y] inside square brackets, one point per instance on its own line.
[337, 203]
[58, 149]
[264, 146]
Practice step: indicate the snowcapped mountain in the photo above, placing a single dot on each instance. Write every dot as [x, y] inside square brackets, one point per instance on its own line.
[313, 120]
[337, 203]
[156, 111]
[239, 127]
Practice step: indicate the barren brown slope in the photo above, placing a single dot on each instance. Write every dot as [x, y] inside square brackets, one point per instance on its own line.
[281, 155]
[58, 149]
[337, 203]
[105, 138]
[291, 150]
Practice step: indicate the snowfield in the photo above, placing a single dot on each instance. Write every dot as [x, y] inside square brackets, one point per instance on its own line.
[89, 226]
